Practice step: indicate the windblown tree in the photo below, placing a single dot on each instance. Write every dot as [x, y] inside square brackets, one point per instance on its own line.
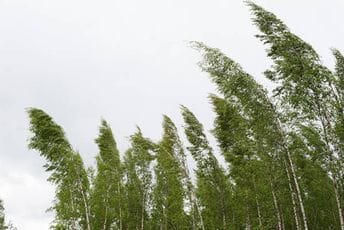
[107, 193]
[139, 181]
[310, 95]
[284, 153]
[249, 132]
[169, 194]
[306, 98]
[239, 153]
[190, 202]
[67, 172]
[213, 187]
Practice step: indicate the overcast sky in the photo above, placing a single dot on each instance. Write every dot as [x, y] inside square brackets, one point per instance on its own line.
[126, 61]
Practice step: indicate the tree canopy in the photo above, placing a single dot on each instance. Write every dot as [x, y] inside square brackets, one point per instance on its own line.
[283, 153]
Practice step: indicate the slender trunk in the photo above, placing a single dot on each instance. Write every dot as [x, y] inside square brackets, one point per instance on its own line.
[293, 175]
[191, 196]
[106, 208]
[223, 210]
[278, 215]
[192, 212]
[304, 217]
[292, 197]
[87, 211]
[340, 212]
[105, 220]
[194, 204]
[292, 167]
[334, 180]
[200, 215]
[297, 187]
[119, 205]
[259, 215]
[85, 206]
[248, 220]
[258, 206]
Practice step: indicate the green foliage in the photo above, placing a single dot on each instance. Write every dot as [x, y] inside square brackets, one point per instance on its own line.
[66, 170]
[107, 193]
[139, 181]
[168, 194]
[308, 91]
[339, 86]
[284, 153]
[213, 187]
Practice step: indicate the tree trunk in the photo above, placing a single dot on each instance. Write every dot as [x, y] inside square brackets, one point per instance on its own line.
[191, 194]
[298, 192]
[87, 214]
[340, 212]
[248, 220]
[200, 214]
[334, 180]
[259, 214]
[293, 173]
[278, 215]
[291, 164]
[292, 197]
[258, 206]
[119, 205]
[85, 206]
[105, 220]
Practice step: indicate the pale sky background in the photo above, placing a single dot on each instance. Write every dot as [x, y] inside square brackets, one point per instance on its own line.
[126, 61]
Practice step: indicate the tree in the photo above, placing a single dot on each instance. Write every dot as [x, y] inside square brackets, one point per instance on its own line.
[66, 169]
[139, 181]
[107, 193]
[257, 129]
[213, 187]
[169, 194]
[284, 153]
[309, 93]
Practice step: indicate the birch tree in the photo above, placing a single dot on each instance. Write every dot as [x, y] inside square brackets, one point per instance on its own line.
[169, 194]
[306, 90]
[139, 181]
[263, 124]
[213, 187]
[67, 172]
[107, 194]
